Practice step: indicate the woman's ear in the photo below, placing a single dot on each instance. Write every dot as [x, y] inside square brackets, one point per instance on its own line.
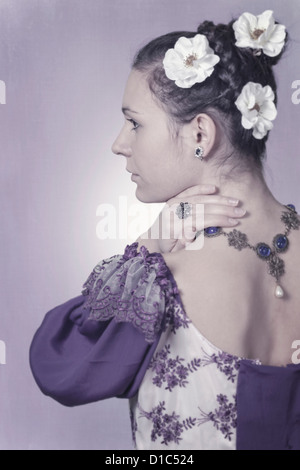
[204, 133]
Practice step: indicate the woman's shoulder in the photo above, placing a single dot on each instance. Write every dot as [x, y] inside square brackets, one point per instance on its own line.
[99, 344]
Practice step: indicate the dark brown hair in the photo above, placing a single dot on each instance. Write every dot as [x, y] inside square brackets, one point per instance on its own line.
[218, 92]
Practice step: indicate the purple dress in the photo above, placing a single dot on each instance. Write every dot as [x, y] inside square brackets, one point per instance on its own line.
[128, 336]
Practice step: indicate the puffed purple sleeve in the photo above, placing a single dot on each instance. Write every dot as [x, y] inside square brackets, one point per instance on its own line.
[98, 345]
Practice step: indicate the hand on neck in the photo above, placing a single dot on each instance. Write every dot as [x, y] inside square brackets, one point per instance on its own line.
[250, 188]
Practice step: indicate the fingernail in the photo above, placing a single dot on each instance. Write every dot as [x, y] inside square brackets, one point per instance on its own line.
[233, 202]
[239, 211]
[233, 221]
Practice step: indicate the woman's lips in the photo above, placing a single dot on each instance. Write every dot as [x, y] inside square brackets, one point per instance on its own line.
[133, 176]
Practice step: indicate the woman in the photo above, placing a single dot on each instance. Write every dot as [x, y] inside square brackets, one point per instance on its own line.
[198, 337]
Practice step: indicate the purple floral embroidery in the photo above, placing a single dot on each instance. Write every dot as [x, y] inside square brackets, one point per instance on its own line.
[171, 371]
[167, 426]
[223, 418]
[130, 251]
[226, 363]
[176, 317]
[170, 427]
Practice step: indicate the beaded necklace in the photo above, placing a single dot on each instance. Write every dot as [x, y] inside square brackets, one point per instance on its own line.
[239, 241]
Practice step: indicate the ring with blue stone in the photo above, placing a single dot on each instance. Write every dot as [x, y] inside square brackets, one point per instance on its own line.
[291, 207]
[280, 243]
[212, 231]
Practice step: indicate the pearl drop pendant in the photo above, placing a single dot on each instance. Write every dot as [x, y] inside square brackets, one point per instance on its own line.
[279, 293]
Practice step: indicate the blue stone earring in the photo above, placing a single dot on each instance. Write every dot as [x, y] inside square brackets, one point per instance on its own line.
[199, 152]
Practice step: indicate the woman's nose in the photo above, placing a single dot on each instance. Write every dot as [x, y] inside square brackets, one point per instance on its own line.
[121, 145]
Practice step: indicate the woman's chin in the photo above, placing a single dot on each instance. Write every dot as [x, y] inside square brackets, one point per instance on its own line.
[149, 198]
[142, 198]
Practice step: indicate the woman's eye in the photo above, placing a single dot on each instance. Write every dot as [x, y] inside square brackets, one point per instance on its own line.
[134, 124]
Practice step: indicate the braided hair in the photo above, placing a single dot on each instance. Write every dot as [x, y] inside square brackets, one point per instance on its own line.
[215, 96]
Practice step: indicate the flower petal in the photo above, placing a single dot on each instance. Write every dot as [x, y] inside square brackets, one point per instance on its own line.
[246, 123]
[257, 134]
[183, 46]
[275, 44]
[183, 53]
[261, 128]
[265, 19]
[268, 93]
[172, 57]
[268, 110]
[256, 104]
[207, 62]
[172, 62]
[272, 50]
[268, 125]
[278, 34]
[197, 69]
[270, 37]
[246, 23]
[247, 42]
[187, 82]
[242, 29]
[200, 43]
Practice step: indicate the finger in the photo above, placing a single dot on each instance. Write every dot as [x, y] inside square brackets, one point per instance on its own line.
[199, 209]
[198, 189]
[208, 200]
[224, 210]
[221, 216]
[193, 191]
[219, 221]
[186, 229]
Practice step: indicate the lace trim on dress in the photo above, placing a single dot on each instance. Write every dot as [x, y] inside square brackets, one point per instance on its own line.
[133, 287]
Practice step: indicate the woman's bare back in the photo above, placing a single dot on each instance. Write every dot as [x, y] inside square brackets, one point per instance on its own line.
[229, 297]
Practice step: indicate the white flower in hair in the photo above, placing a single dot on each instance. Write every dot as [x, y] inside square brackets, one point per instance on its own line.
[260, 32]
[191, 61]
[256, 103]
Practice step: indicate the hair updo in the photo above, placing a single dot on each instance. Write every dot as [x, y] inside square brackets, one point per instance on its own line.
[237, 66]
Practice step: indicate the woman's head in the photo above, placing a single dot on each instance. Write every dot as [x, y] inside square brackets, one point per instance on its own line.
[218, 93]
[215, 97]
[147, 142]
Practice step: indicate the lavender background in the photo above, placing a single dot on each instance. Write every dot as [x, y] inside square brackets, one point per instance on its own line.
[65, 63]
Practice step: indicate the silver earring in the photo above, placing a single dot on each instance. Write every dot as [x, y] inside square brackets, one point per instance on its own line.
[199, 152]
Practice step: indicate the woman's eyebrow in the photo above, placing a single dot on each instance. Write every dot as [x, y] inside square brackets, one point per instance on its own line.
[127, 109]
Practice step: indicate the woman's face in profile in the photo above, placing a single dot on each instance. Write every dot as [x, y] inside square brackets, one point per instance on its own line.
[163, 164]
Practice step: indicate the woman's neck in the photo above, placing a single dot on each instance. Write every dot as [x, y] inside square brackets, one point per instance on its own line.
[263, 210]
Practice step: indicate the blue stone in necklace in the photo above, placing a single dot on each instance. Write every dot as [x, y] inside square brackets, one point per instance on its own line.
[263, 251]
[238, 240]
[280, 243]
